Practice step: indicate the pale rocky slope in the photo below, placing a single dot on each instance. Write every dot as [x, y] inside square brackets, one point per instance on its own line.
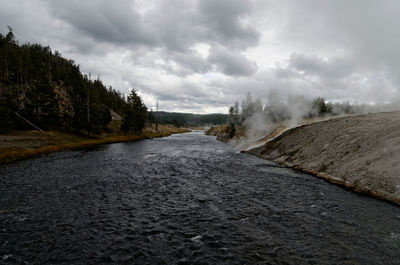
[361, 152]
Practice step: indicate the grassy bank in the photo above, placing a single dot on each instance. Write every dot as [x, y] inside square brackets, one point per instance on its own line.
[26, 144]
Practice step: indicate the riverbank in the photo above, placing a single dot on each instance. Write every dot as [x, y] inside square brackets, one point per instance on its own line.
[221, 132]
[20, 145]
[359, 152]
[193, 200]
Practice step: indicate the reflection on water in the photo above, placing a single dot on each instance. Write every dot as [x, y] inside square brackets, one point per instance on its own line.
[185, 199]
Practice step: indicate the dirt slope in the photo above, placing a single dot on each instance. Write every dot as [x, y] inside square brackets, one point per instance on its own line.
[360, 152]
[221, 131]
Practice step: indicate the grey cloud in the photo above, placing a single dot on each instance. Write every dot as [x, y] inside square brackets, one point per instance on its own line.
[338, 49]
[29, 20]
[189, 62]
[314, 65]
[180, 93]
[173, 24]
[224, 19]
[171, 29]
[231, 62]
[365, 31]
[110, 21]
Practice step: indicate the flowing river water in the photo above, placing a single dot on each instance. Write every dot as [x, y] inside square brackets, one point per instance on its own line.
[184, 199]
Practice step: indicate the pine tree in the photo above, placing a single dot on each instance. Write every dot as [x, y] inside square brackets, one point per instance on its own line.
[135, 114]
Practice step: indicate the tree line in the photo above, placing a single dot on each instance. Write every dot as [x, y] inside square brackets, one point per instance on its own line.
[52, 93]
[179, 119]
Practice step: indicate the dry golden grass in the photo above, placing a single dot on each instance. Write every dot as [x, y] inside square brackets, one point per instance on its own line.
[22, 145]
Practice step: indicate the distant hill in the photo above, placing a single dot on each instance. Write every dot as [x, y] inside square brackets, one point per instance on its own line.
[190, 119]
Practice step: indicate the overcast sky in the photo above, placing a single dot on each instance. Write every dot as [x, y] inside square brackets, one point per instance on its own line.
[200, 56]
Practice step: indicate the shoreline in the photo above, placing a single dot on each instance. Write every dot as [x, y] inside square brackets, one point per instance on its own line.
[357, 152]
[7, 157]
[380, 195]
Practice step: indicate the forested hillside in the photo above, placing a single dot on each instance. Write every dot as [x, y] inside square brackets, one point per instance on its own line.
[48, 90]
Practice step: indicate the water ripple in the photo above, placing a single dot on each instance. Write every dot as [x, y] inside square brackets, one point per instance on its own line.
[185, 199]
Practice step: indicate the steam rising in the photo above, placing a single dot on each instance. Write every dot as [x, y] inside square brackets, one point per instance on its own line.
[253, 121]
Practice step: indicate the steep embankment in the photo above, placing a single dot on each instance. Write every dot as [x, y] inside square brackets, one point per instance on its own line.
[361, 152]
[221, 132]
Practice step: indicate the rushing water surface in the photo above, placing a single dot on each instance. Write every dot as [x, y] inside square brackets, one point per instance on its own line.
[185, 199]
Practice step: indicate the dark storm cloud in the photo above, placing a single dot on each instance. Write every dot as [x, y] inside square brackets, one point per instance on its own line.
[173, 24]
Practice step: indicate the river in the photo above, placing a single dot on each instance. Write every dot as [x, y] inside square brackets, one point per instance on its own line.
[184, 199]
